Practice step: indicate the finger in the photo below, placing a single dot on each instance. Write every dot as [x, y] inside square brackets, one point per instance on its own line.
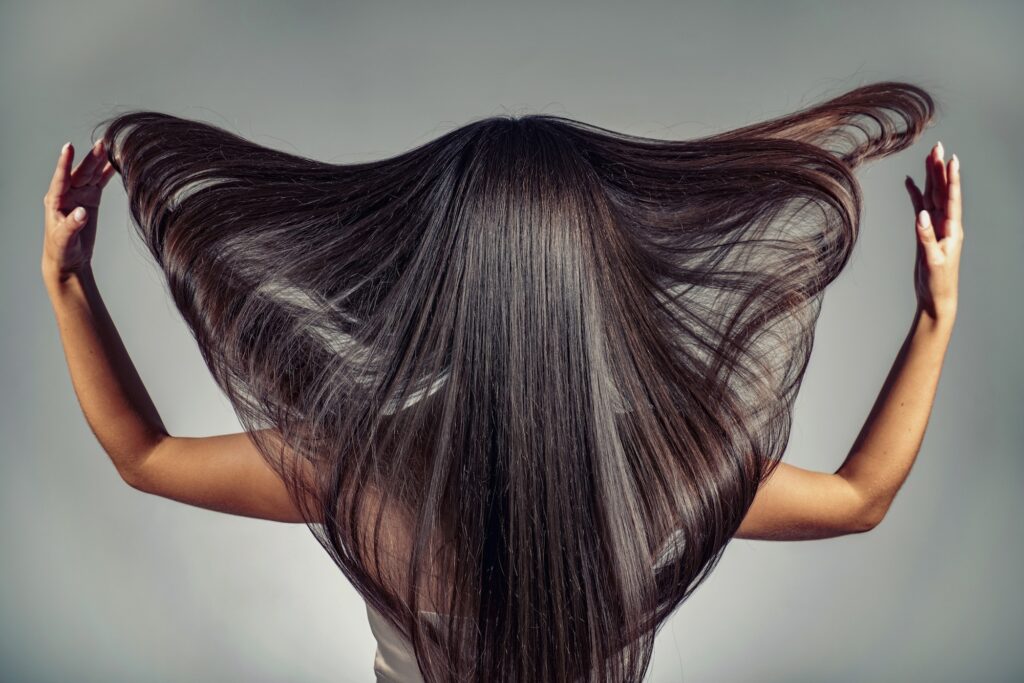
[939, 185]
[101, 164]
[106, 174]
[954, 211]
[85, 171]
[915, 195]
[926, 238]
[59, 183]
[929, 179]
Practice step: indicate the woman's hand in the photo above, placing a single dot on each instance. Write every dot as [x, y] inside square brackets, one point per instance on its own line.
[70, 207]
[940, 235]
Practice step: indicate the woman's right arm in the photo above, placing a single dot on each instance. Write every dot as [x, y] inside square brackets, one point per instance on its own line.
[797, 504]
[887, 445]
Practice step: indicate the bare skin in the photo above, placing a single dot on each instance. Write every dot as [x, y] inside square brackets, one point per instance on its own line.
[226, 473]
[797, 504]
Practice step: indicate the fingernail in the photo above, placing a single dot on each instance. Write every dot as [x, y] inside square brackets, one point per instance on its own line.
[956, 162]
[64, 148]
[939, 145]
[922, 219]
[79, 214]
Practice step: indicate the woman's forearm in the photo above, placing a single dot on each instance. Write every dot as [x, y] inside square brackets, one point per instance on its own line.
[884, 451]
[112, 396]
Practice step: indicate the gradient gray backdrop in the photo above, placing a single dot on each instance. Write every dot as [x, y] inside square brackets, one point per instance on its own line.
[99, 582]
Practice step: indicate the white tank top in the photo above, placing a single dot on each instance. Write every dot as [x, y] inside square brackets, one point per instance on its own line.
[395, 659]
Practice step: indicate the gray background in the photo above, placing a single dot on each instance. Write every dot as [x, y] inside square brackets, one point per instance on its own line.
[99, 582]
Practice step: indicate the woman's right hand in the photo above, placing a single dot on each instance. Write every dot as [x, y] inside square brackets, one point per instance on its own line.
[940, 235]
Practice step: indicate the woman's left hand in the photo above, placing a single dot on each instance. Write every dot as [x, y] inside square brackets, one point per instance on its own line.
[70, 207]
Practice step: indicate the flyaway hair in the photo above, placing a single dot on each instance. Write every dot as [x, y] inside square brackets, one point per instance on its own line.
[525, 379]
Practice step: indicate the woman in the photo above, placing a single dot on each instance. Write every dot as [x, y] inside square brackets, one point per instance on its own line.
[523, 382]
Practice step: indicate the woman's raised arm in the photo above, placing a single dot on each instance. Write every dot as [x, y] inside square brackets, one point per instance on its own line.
[115, 403]
[224, 472]
[796, 504]
[885, 449]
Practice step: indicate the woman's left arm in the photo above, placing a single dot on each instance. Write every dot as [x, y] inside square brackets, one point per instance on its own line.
[114, 401]
[223, 472]
[112, 396]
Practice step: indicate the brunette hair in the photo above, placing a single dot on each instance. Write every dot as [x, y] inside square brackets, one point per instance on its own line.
[529, 374]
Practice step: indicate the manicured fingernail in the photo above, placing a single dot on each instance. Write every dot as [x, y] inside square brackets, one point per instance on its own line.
[956, 162]
[922, 219]
[939, 145]
[79, 214]
[64, 148]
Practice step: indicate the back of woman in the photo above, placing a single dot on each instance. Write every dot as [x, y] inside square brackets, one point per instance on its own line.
[524, 381]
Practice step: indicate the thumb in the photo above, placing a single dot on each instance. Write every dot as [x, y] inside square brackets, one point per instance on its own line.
[75, 220]
[69, 227]
[926, 236]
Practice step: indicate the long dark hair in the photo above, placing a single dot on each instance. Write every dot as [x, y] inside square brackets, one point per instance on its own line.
[527, 375]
